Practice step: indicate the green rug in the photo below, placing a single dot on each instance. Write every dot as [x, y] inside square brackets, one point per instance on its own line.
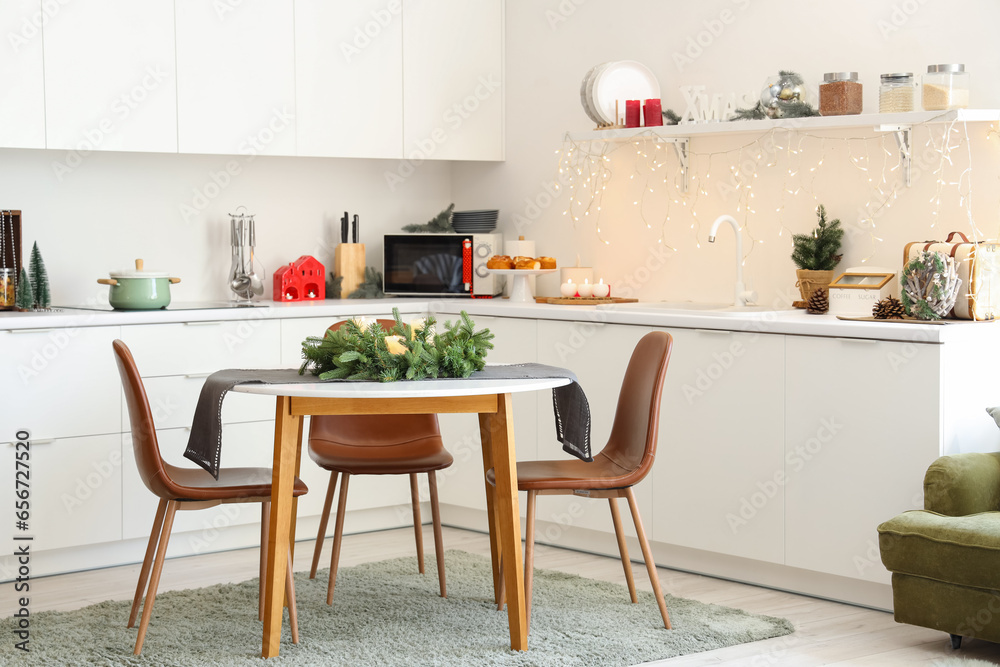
[385, 613]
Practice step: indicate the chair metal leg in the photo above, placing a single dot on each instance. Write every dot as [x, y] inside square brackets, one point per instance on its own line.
[154, 582]
[323, 520]
[438, 536]
[338, 534]
[418, 529]
[147, 561]
[529, 556]
[293, 614]
[647, 555]
[623, 548]
[265, 516]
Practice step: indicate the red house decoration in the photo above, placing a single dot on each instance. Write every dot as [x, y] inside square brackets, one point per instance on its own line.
[302, 280]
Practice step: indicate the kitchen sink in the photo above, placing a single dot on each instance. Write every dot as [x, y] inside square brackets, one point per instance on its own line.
[689, 307]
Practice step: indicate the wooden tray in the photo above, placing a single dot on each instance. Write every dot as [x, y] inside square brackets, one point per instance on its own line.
[582, 300]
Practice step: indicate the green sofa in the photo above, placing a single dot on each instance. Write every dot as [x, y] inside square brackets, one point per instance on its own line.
[945, 559]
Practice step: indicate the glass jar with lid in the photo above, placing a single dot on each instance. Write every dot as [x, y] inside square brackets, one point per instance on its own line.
[840, 94]
[7, 283]
[945, 87]
[896, 93]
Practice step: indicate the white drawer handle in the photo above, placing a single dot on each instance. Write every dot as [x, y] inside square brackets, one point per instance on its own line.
[29, 331]
[192, 376]
[202, 324]
[716, 332]
[868, 341]
[32, 441]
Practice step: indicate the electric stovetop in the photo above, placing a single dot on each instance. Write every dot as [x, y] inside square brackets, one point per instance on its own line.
[179, 305]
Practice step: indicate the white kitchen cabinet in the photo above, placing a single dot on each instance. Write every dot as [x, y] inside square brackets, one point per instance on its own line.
[862, 423]
[110, 80]
[22, 95]
[453, 94]
[720, 447]
[198, 348]
[349, 78]
[463, 484]
[598, 353]
[173, 398]
[236, 77]
[63, 382]
[76, 490]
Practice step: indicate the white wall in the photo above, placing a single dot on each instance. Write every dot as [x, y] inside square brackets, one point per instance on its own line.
[552, 44]
[115, 207]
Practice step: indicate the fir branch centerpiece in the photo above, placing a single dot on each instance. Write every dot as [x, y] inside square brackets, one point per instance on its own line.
[362, 350]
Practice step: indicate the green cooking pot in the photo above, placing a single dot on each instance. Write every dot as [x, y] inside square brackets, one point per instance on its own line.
[139, 290]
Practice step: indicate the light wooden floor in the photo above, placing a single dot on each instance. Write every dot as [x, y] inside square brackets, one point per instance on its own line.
[827, 633]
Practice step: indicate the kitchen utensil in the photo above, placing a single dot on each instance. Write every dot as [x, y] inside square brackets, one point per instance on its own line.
[137, 289]
[343, 228]
[355, 232]
[621, 80]
[244, 279]
[256, 279]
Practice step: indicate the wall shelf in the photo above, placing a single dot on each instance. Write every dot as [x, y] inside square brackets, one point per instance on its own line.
[899, 124]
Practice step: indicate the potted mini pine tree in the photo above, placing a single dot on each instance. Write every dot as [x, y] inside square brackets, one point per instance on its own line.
[817, 254]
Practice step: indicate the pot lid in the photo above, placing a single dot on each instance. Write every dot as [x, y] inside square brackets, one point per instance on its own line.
[138, 272]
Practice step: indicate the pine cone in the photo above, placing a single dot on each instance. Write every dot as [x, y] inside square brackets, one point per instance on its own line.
[889, 308]
[819, 302]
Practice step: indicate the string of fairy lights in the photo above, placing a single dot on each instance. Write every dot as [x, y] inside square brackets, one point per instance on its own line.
[589, 166]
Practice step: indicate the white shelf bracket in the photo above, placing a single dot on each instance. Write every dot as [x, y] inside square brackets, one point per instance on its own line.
[683, 157]
[902, 134]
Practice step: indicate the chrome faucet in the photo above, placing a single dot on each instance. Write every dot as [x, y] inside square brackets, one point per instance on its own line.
[743, 297]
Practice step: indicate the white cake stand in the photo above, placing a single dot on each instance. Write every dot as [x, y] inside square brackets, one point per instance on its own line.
[520, 291]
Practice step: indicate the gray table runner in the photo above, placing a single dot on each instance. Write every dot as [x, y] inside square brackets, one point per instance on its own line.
[572, 412]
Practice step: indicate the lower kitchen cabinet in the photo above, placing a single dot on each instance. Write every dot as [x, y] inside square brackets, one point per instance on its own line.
[863, 422]
[598, 353]
[716, 481]
[76, 490]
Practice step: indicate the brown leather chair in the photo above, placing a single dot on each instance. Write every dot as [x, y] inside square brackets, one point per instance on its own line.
[377, 445]
[625, 460]
[187, 489]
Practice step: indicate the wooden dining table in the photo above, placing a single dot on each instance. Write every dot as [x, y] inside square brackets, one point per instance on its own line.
[490, 399]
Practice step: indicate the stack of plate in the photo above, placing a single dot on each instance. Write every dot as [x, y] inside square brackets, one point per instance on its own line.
[617, 80]
[475, 222]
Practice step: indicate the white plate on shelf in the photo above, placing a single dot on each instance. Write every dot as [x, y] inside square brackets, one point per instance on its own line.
[622, 80]
[594, 112]
[585, 88]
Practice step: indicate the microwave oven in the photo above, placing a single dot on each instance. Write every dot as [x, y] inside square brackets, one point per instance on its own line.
[441, 265]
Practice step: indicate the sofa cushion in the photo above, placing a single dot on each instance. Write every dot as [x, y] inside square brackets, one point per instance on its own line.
[962, 550]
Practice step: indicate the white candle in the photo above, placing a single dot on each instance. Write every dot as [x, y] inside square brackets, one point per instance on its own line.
[395, 344]
[568, 288]
[586, 289]
[601, 290]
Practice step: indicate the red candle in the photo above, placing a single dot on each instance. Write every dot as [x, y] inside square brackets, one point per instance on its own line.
[652, 114]
[631, 113]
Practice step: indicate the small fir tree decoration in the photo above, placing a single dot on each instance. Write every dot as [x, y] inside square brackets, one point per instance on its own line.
[334, 286]
[370, 287]
[39, 279]
[889, 308]
[23, 298]
[819, 302]
[930, 285]
[818, 251]
[441, 223]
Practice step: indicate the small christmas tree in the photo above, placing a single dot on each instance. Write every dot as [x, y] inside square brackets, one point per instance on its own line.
[818, 251]
[23, 298]
[39, 279]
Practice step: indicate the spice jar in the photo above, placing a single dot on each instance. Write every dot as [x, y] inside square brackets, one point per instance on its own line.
[945, 87]
[896, 93]
[840, 94]
[7, 291]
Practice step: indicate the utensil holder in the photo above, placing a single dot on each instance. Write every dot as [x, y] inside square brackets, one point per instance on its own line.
[349, 264]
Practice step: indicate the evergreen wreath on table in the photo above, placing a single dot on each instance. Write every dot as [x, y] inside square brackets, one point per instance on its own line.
[930, 285]
[403, 353]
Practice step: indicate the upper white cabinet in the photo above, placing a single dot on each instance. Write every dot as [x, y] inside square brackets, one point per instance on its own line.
[453, 96]
[110, 81]
[236, 77]
[349, 78]
[22, 95]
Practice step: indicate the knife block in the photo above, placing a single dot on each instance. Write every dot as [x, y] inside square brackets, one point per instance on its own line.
[349, 263]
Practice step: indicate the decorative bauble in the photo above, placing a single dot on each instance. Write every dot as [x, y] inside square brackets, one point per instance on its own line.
[819, 302]
[930, 285]
[782, 92]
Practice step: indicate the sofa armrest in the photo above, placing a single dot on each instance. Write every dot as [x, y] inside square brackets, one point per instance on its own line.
[963, 484]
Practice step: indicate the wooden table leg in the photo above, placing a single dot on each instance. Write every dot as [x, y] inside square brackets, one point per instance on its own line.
[286, 432]
[485, 438]
[508, 517]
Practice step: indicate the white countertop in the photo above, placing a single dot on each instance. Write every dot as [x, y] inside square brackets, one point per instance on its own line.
[794, 322]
